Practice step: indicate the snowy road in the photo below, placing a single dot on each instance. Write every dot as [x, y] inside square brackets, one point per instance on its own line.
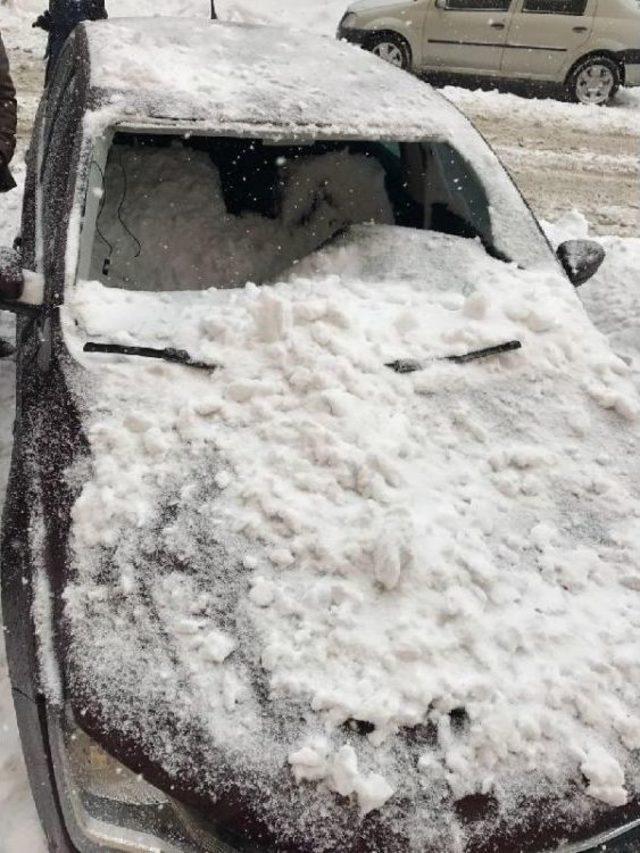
[562, 156]
[565, 156]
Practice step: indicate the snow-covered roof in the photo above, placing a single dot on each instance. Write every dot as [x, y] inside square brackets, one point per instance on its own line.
[196, 69]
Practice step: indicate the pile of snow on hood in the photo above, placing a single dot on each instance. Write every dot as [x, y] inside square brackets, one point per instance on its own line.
[456, 548]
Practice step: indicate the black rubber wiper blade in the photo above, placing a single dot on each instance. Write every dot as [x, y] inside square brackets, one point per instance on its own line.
[174, 356]
[409, 365]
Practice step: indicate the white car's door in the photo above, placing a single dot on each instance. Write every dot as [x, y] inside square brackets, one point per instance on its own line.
[544, 35]
[466, 35]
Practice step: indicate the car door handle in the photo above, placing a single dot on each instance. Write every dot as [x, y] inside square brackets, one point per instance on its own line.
[497, 25]
[580, 29]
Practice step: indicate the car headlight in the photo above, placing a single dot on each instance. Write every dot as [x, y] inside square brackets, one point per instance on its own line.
[107, 807]
[349, 21]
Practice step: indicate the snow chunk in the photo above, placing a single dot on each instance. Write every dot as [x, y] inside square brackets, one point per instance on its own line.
[314, 762]
[272, 318]
[391, 556]
[262, 592]
[218, 646]
[606, 777]
[373, 792]
[344, 771]
[310, 762]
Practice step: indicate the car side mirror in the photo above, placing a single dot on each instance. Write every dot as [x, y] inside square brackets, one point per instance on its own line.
[580, 259]
[441, 4]
[11, 277]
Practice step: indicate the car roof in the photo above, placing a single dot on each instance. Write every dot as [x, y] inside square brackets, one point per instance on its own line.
[225, 73]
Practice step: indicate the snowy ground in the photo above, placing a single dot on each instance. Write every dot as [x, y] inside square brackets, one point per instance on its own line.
[563, 157]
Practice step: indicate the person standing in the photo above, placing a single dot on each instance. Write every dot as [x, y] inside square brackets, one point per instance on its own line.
[8, 121]
[61, 19]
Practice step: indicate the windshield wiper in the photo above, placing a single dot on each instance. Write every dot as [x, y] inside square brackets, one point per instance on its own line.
[179, 356]
[409, 365]
[174, 356]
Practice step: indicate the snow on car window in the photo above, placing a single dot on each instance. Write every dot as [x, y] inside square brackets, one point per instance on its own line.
[180, 219]
[180, 214]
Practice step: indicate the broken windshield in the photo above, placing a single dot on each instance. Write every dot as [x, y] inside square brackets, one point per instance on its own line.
[189, 214]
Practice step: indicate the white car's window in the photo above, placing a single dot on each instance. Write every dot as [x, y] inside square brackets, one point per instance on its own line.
[478, 5]
[555, 7]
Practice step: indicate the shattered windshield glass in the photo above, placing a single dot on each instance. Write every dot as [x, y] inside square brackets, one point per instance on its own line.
[190, 214]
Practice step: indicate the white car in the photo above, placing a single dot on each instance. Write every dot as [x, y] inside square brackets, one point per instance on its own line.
[590, 47]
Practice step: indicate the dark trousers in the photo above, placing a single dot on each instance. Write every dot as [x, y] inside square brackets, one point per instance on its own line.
[6, 179]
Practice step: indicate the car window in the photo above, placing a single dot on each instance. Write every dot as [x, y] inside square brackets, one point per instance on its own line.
[555, 7]
[458, 200]
[478, 5]
[189, 214]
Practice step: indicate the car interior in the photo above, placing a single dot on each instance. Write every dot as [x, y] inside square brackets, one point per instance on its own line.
[175, 213]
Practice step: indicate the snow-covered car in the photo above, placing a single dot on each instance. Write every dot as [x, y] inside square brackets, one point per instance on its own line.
[589, 47]
[321, 531]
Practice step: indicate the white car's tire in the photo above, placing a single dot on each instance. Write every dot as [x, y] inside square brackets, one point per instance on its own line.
[595, 80]
[392, 48]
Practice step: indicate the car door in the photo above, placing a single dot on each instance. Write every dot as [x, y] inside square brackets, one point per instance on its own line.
[466, 36]
[545, 36]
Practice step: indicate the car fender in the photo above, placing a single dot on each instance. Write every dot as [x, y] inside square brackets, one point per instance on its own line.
[608, 46]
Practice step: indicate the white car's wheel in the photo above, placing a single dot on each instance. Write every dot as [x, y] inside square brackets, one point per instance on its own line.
[392, 49]
[595, 81]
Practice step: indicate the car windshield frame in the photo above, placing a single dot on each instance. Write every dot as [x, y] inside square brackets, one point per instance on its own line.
[98, 140]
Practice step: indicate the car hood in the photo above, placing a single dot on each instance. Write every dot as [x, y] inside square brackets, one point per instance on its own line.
[372, 5]
[326, 589]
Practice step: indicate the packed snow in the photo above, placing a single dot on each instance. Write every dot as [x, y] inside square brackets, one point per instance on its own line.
[623, 115]
[227, 73]
[184, 250]
[613, 305]
[399, 547]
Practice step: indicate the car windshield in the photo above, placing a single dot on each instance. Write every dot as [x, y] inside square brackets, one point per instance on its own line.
[180, 214]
